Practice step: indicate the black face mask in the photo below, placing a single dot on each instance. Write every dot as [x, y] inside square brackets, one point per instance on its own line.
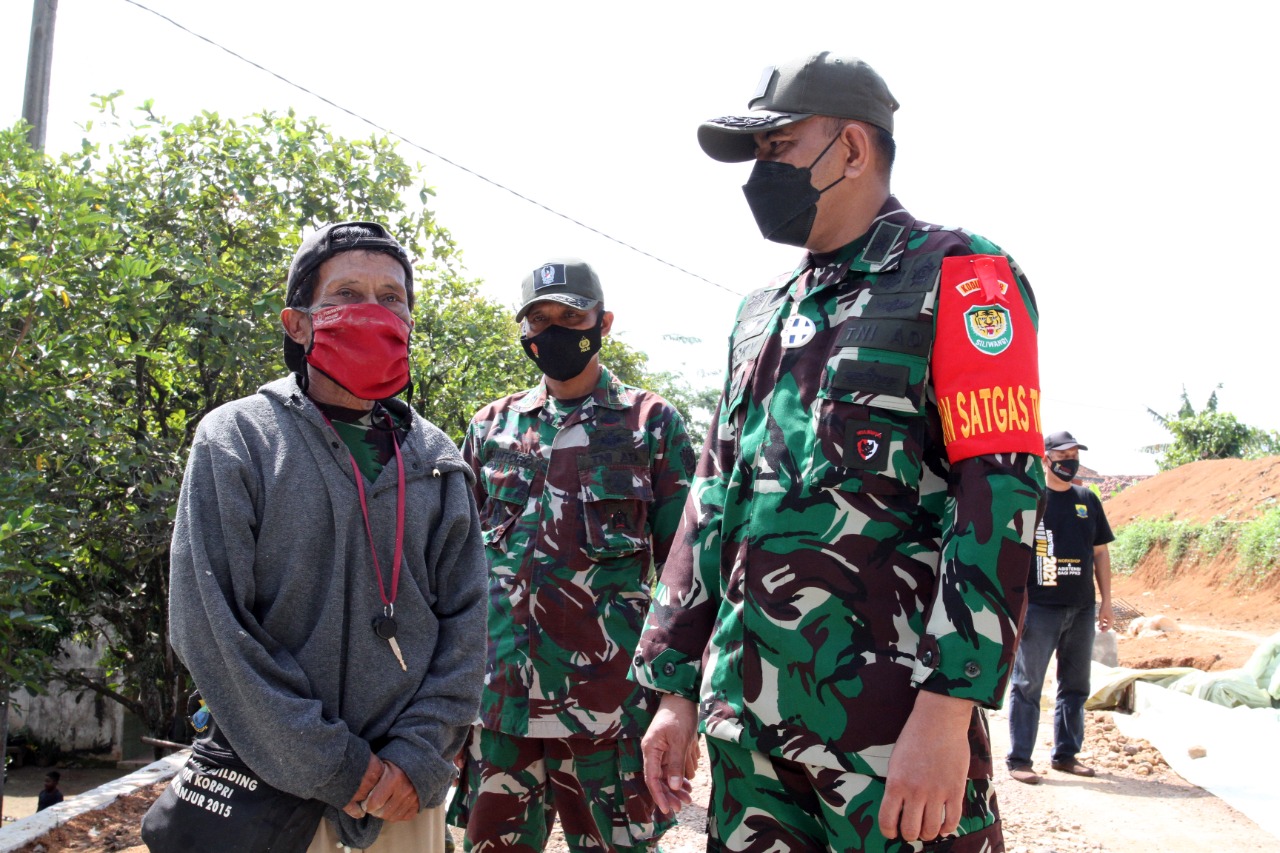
[784, 200]
[562, 353]
[1065, 469]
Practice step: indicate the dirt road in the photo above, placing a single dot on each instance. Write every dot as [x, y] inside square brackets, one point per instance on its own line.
[1135, 804]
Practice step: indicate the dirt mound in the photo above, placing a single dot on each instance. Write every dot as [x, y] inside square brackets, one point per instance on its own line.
[1236, 489]
[1199, 590]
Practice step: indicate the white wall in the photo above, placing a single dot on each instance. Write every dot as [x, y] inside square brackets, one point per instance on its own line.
[90, 723]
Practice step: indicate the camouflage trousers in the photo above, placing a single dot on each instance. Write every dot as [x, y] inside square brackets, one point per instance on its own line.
[512, 788]
[765, 803]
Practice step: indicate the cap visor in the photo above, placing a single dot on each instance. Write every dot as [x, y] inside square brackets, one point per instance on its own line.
[730, 139]
[582, 303]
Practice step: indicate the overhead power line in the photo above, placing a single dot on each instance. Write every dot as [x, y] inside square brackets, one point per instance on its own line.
[390, 132]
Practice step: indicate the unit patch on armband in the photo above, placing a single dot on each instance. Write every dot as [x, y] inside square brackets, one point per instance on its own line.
[990, 328]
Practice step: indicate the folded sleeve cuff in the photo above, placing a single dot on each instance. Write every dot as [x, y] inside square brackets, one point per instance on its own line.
[955, 667]
[669, 672]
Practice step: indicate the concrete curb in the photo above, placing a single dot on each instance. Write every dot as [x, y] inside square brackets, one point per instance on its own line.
[28, 829]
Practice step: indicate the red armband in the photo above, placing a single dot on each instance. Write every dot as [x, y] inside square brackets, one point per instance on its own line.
[985, 361]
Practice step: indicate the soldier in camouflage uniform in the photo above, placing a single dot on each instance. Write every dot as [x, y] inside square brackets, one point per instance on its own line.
[846, 588]
[580, 484]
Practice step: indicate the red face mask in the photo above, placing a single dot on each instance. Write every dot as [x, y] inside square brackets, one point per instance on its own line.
[363, 347]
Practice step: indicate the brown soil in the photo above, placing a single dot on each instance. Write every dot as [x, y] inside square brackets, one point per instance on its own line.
[1223, 610]
[1235, 489]
[113, 829]
[1136, 803]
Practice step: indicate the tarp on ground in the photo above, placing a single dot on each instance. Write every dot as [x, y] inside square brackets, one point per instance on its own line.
[1254, 685]
[1241, 745]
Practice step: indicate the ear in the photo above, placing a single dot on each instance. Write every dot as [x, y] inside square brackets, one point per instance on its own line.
[606, 323]
[858, 147]
[297, 325]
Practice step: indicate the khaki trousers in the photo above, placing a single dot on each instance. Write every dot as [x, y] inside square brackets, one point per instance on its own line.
[422, 834]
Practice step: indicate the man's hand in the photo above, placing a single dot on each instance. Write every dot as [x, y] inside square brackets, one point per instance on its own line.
[372, 774]
[924, 793]
[666, 750]
[691, 757]
[1106, 617]
[394, 797]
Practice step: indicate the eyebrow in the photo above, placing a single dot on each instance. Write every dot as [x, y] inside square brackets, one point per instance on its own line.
[386, 282]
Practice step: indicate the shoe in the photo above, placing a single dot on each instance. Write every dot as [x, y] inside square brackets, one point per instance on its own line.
[1024, 774]
[1075, 768]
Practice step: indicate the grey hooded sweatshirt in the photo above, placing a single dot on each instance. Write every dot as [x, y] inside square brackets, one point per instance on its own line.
[273, 594]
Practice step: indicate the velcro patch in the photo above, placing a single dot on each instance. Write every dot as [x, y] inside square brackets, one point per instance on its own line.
[881, 244]
[866, 445]
[548, 275]
[911, 337]
[898, 306]
[870, 377]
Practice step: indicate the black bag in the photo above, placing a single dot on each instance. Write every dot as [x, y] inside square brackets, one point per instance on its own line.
[216, 804]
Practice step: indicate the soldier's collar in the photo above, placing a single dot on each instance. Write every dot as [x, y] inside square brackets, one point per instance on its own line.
[609, 392]
[878, 250]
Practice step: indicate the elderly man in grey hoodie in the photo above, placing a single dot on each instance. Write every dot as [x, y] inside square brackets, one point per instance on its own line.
[328, 576]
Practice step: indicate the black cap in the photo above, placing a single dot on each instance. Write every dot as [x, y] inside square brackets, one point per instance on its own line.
[569, 281]
[338, 237]
[1061, 441]
[821, 84]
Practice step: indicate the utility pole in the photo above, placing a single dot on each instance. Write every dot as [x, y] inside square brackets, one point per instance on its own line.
[35, 100]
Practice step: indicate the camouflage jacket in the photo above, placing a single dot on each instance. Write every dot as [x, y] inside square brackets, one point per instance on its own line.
[833, 558]
[576, 507]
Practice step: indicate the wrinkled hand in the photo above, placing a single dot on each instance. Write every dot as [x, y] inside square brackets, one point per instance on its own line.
[394, 797]
[924, 792]
[666, 749]
[372, 773]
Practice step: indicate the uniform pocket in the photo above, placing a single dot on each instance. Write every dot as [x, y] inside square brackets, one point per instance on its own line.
[868, 430]
[508, 489]
[615, 509]
[860, 448]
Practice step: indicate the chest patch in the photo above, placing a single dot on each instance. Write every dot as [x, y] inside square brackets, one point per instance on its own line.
[797, 331]
[866, 446]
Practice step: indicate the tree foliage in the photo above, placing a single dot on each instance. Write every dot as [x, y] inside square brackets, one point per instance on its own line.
[140, 287]
[1209, 434]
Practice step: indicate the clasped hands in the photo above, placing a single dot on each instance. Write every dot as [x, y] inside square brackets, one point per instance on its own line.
[385, 792]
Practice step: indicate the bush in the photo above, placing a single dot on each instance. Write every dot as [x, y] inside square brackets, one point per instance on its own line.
[1259, 542]
[1133, 542]
[1256, 542]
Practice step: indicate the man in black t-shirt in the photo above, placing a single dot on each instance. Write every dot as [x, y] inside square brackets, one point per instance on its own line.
[49, 795]
[1071, 551]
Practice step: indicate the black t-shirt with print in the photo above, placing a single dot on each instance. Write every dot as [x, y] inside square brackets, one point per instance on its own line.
[1062, 571]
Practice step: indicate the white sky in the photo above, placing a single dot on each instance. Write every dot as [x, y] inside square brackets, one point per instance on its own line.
[1114, 149]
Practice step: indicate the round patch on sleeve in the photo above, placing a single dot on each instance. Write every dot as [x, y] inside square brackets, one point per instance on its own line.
[797, 331]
